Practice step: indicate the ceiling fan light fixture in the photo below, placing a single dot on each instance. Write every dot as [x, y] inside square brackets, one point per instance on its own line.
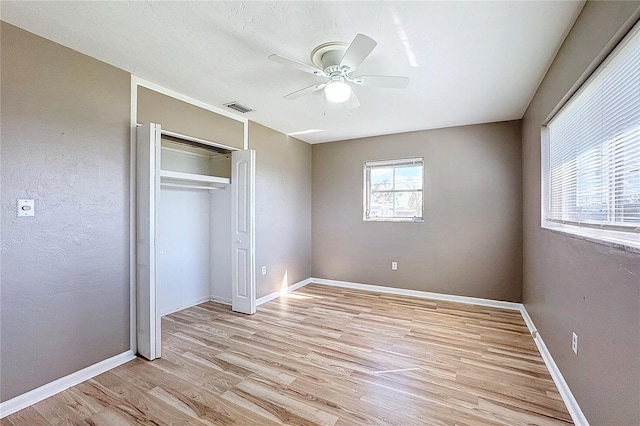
[336, 62]
[337, 91]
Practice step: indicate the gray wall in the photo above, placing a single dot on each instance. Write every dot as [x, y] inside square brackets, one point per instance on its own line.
[183, 118]
[575, 285]
[470, 243]
[65, 272]
[283, 208]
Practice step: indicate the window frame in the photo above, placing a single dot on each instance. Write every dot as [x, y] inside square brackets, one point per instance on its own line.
[619, 235]
[366, 202]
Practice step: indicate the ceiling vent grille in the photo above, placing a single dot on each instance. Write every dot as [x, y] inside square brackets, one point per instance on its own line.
[238, 107]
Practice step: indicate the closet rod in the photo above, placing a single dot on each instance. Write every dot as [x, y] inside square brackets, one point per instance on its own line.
[178, 185]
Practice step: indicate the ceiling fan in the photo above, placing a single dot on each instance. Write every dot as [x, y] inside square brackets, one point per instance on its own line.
[336, 61]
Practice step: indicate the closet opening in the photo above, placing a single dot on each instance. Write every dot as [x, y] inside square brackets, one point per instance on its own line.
[195, 229]
[194, 225]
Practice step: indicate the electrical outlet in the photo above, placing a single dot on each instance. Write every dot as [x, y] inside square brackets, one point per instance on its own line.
[264, 270]
[394, 266]
[26, 208]
[574, 343]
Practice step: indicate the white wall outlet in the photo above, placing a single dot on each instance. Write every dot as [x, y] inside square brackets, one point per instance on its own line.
[26, 208]
[264, 270]
[394, 266]
[574, 343]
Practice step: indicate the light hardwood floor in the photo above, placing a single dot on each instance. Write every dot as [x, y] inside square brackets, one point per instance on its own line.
[327, 356]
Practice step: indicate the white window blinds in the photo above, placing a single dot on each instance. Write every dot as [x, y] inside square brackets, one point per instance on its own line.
[592, 148]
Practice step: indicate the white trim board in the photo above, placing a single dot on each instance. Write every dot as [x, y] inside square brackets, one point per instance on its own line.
[133, 239]
[223, 300]
[63, 383]
[276, 294]
[421, 294]
[563, 388]
[176, 308]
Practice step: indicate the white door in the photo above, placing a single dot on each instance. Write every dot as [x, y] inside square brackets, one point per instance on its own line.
[243, 279]
[148, 189]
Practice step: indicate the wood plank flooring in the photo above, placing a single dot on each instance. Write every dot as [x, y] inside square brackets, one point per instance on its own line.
[324, 356]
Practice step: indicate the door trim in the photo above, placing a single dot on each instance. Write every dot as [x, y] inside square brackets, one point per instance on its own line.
[135, 82]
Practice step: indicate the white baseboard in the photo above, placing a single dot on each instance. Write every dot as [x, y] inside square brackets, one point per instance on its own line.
[50, 389]
[269, 297]
[563, 388]
[300, 284]
[422, 294]
[276, 294]
[223, 300]
[176, 308]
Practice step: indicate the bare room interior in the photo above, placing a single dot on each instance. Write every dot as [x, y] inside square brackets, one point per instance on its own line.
[320, 213]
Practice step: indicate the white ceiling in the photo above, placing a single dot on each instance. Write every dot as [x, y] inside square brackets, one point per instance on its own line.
[468, 62]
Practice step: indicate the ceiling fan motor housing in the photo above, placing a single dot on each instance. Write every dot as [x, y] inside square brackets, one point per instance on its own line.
[327, 57]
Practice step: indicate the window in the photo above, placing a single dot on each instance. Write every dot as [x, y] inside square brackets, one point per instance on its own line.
[591, 154]
[393, 190]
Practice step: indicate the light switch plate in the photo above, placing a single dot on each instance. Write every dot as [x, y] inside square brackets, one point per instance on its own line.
[26, 208]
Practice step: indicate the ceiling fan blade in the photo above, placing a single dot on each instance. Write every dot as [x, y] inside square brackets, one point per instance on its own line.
[297, 65]
[305, 91]
[352, 102]
[389, 81]
[358, 50]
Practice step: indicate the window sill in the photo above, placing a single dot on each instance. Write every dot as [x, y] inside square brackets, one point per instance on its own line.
[393, 219]
[626, 241]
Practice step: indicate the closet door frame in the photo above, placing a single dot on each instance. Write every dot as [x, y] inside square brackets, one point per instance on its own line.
[148, 161]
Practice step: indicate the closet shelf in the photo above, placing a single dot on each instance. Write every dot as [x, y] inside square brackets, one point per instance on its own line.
[192, 177]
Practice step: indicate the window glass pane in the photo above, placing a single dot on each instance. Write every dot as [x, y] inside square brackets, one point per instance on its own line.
[408, 177]
[381, 204]
[628, 180]
[591, 199]
[381, 178]
[408, 204]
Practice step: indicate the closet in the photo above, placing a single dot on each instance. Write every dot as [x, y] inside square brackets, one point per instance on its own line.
[194, 225]
[195, 228]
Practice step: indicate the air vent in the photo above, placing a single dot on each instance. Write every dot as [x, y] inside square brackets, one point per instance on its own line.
[238, 107]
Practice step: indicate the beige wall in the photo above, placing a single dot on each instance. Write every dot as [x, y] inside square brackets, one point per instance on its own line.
[186, 119]
[470, 241]
[575, 285]
[65, 272]
[283, 208]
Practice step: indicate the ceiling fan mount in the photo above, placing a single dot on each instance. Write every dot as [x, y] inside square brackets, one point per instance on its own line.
[336, 61]
[329, 55]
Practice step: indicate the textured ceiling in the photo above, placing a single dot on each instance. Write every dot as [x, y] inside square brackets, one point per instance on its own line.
[469, 62]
